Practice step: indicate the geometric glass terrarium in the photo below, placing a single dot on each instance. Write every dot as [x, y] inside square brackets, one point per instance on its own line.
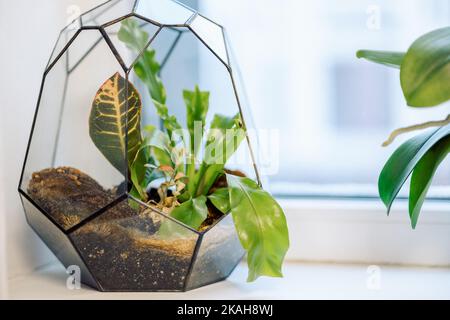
[77, 198]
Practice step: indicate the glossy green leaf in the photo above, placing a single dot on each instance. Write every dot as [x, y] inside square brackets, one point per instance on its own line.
[423, 175]
[220, 198]
[192, 212]
[261, 227]
[387, 58]
[116, 102]
[425, 72]
[402, 162]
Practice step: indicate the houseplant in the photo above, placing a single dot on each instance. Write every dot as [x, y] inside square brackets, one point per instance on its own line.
[425, 81]
[137, 198]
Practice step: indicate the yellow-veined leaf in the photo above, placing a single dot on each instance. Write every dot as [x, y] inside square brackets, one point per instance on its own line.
[116, 108]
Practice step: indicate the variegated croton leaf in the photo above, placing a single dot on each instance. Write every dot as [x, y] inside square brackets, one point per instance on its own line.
[116, 107]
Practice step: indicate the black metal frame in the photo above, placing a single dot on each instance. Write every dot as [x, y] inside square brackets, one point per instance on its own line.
[181, 29]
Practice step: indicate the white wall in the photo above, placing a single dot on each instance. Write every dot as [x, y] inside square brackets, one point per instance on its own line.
[28, 30]
[3, 269]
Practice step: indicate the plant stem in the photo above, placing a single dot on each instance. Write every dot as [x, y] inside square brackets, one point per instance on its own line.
[416, 127]
[210, 180]
[199, 179]
[191, 173]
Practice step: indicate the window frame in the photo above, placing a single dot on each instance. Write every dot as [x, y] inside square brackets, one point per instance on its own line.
[359, 231]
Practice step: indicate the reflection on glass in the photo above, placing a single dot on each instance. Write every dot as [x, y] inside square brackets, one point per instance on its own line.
[165, 12]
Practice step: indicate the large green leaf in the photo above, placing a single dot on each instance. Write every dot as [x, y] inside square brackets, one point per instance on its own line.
[116, 106]
[425, 72]
[387, 58]
[261, 226]
[221, 200]
[404, 160]
[423, 175]
[192, 212]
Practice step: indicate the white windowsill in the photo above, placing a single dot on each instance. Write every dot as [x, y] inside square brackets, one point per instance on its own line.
[301, 281]
[359, 231]
[332, 244]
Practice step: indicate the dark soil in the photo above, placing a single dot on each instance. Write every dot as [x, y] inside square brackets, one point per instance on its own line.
[121, 247]
[67, 195]
[123, 257]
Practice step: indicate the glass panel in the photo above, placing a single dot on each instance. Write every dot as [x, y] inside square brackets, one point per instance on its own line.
[65, 173]
[164, 11]
[164, 45]
[85, 42]
[47, 121]
[192, 64]
[264, 141]
[126, 249]
[220, 251]
[215, 78]
[64, 37]
[135, 44]
[56, 240]
[211, 34]
[168, 40]
[107, 12]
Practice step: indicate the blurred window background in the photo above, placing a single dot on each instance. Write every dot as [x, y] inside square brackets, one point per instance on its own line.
[332, 110]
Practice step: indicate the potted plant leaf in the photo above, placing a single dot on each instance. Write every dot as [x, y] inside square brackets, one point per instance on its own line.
[136, 198]
[425, 81]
